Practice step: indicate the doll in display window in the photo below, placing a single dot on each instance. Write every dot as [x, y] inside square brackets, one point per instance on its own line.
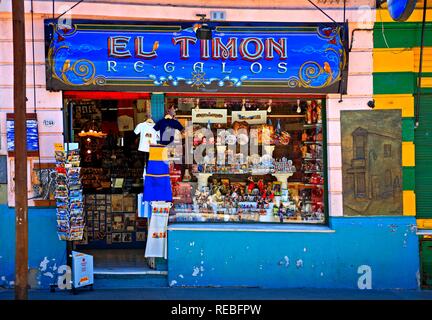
[314, 112]
[319, 111]
[309, 111]
[304, 150]
[304, 136]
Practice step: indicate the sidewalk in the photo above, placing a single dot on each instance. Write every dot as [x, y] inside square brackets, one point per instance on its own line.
[224, 294]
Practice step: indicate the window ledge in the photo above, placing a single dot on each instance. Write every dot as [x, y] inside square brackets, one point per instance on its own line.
[249, 228]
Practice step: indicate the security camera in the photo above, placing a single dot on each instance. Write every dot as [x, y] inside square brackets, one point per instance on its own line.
[371, 104]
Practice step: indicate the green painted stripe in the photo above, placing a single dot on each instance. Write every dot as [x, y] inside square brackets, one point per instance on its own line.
[401, 34]
[393, 82]
[398, 82]
[408, 178]
[407, 129]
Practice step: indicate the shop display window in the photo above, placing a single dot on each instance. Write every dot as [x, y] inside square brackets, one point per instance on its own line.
[249, 160]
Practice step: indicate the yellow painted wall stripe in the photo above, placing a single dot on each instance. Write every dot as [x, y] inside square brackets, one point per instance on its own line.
[427, 59]
[408, 154]
[426, 82]
[409, 203]
[417, 16]
[393, 60]
[401, 59]
[424, 223]
[405, 102]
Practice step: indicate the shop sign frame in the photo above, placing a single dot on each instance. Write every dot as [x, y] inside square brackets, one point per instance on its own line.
[167, 57]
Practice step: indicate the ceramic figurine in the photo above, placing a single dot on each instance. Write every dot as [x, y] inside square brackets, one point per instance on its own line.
[319, 111]
[319, 136]
[304, 136]
[261, 185]
[187, 176]
[309, 112]
[251, 184]
[304, 150]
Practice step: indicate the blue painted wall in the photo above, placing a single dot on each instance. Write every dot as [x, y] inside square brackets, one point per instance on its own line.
[299, 259]
[46, 251]
[259, 259]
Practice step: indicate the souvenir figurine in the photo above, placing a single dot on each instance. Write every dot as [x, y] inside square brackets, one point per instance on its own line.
[280, 213]
[285, 138]
[319, 111]
[269, 195]
[313, 150]
[304, 136]
[304, 150]
[309, 112]
[187, 176]
[261, 185]
[319, 136]
[314, 112]
[251, 184]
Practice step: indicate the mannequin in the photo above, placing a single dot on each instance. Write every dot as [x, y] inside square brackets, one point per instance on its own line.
[148, 136]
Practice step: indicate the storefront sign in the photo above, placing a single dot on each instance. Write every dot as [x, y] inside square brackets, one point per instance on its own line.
[167, 57]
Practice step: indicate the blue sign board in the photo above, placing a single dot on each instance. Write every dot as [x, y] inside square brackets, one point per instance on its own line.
[401, 10]
[167, 57]
[32, 136]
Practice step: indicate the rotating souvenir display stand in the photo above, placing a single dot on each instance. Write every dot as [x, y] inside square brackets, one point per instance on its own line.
[68, 195]
[70, 219]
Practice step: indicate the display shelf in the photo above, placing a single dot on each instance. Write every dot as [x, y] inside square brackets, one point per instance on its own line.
[312, 142]
[313, 171]
[312, 159]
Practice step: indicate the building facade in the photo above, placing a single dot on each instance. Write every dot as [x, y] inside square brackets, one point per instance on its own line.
[369, 238]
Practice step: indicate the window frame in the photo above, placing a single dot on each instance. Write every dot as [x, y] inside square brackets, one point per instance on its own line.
[325, 172]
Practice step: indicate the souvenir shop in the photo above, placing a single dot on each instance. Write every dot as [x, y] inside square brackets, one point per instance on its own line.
[200, 146]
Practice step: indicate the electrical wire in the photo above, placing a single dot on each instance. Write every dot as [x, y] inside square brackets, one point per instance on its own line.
[322, 11]
[35, 95]
[385, 38]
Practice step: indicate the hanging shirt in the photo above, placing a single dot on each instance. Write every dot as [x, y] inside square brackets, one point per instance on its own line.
[125, 123]
[148, 135]
[166, 128]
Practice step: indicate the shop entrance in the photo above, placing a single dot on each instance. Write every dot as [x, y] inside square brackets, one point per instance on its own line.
[111, 177]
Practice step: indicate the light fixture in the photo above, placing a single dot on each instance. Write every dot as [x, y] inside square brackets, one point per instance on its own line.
[244, 105]
[92, 131]
[298, 106]
[202, 30]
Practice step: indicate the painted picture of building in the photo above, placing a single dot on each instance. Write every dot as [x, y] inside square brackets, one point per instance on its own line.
[371, 162]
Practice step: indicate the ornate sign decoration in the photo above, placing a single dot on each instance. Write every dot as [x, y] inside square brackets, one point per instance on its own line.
[241, 57]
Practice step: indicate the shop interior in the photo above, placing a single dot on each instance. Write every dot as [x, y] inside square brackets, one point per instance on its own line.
[280, 179]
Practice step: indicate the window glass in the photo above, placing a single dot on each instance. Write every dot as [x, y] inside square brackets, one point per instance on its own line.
[245, 159]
